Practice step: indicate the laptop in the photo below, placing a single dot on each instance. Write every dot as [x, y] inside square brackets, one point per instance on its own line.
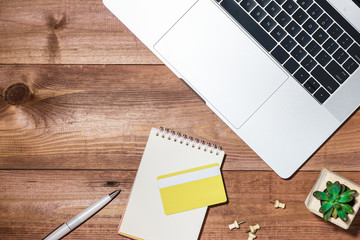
[282, 74]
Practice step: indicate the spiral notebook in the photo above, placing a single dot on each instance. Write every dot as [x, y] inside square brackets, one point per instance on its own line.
[165, 152]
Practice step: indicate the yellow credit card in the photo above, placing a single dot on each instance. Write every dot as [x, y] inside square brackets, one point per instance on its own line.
[193, 188]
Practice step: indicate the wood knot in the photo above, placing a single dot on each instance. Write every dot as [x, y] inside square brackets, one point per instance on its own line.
[112, 184]
[17, 94]
[57, 24]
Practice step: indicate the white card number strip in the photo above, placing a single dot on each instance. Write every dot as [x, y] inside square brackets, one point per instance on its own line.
[189, 177]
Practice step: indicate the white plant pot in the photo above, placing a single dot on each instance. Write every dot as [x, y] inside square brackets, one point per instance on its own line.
[314, 204]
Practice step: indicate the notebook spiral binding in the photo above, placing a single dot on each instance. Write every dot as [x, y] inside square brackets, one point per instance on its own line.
[188, 140]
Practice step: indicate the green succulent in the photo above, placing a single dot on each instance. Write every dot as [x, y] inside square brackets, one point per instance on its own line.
[334, 202]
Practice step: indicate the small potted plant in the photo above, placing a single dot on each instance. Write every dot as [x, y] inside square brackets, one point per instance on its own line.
[334, 198]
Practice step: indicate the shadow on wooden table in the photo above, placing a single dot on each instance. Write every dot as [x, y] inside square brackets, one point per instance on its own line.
[354, 229]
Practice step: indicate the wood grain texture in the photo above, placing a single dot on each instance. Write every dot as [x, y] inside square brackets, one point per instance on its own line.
[99, 117]
[96, 91]
[33, 203]
[66, 32]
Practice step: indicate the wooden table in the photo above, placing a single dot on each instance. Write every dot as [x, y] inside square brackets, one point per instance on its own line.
[96, 93]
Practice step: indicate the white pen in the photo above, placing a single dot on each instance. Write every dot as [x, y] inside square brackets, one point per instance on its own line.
[66, 228]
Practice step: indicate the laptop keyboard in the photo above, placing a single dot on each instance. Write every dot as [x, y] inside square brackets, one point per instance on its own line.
[310, 39]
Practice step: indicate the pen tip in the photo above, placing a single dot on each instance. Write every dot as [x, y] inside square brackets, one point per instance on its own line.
[115, 193]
